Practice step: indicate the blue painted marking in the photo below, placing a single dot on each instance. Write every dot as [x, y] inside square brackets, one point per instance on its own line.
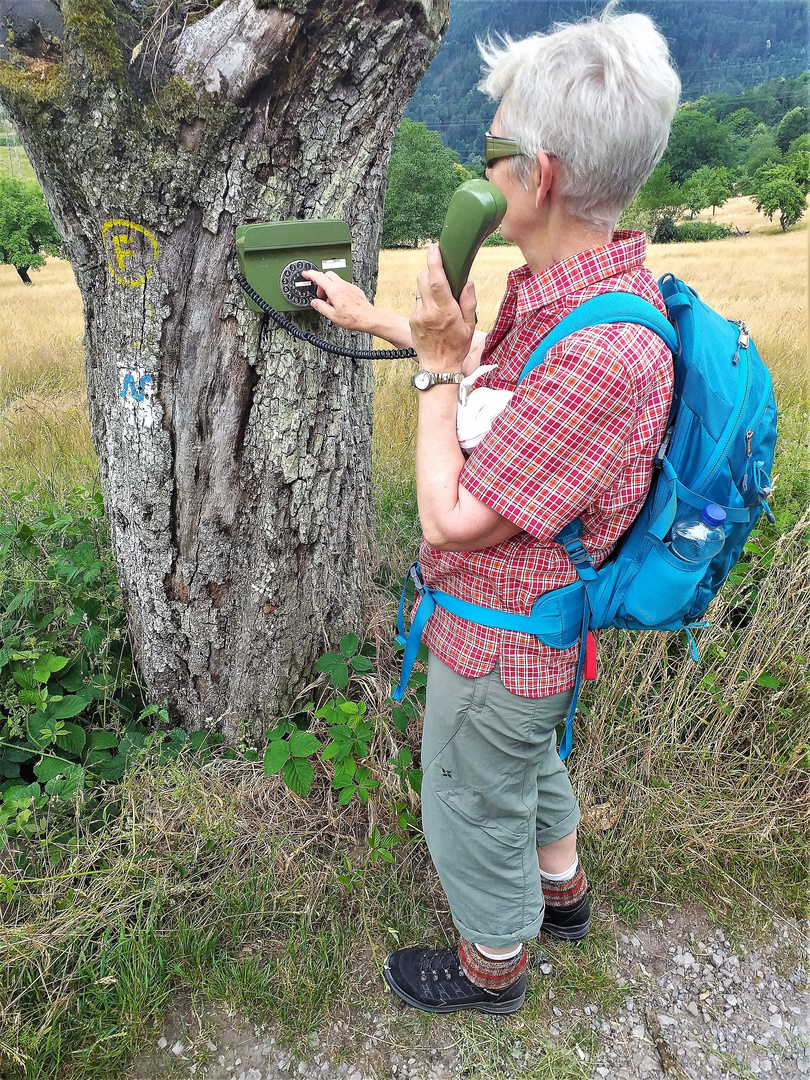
[136, 390]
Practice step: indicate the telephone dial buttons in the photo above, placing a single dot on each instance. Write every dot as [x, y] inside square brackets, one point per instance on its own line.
[295, 288]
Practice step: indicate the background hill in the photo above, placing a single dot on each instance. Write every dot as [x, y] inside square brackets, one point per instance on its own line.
[719, 46]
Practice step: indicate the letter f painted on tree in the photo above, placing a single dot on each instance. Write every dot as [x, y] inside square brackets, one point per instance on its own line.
[122, 252]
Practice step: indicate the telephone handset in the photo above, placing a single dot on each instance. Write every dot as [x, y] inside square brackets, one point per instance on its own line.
[273, 255]
[476, 210]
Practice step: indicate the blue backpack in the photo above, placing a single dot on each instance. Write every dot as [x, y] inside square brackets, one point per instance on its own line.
[718, 448]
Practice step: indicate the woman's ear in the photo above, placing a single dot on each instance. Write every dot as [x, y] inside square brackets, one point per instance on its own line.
[544, 177]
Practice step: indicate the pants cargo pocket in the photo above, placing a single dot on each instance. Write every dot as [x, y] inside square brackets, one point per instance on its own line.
[482, 847]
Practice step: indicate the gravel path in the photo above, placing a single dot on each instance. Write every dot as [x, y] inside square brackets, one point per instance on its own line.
[696, 1007]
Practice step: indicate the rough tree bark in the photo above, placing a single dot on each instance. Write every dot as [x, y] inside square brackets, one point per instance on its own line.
[235, 462]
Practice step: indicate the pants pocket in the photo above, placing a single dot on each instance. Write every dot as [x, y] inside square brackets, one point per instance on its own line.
[509, 826]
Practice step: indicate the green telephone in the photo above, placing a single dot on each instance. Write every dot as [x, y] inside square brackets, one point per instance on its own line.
[272, 256]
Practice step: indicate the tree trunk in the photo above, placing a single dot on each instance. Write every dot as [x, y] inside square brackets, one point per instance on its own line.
[235, 461]
[23, 272]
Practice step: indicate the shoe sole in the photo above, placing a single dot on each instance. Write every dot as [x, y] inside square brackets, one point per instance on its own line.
[499, 1008]
[567, 933]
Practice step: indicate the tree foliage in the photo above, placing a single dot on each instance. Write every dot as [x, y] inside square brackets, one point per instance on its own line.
[718, 188]
[422, 176]
[697, 139]
[693, 191]
[792, 126]
[742, 123]
[27, 234]
[778, 191]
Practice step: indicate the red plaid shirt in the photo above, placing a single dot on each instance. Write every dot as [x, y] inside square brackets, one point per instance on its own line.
[578, 439]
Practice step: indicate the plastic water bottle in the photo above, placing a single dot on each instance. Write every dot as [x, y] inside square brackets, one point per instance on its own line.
[698, 536]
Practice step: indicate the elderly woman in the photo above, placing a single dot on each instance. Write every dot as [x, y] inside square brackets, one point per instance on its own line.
[583, 118]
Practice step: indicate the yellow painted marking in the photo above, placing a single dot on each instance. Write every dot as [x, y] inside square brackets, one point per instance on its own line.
[122, 253]
[125, 246]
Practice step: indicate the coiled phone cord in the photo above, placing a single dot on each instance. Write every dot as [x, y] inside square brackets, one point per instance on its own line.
[327, 346]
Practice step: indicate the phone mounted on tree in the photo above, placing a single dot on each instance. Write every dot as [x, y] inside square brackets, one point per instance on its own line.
[272, 257]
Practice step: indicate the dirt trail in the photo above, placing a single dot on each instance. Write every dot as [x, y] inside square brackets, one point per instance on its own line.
[696, 1006]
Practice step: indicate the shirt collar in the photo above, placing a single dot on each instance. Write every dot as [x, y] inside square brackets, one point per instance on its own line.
[625, 252]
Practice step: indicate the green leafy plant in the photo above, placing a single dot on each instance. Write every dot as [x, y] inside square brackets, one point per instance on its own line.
[350, 659]
[350, 742]
[69, 700]
[287, 752]
[350, 735]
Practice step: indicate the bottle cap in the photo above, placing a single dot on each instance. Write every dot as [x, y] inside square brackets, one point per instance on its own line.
[712, 514]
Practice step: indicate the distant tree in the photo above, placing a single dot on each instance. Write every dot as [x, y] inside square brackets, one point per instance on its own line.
[761, 101]
[778, 191]
[657, 206]
[697, 139]
[742, 123]
[766, 158]
[800, 145]
[792, 126]
[799, 165]
[693, 191]
[422, 176]
[717, 188]
[476, 166]
[27, 234]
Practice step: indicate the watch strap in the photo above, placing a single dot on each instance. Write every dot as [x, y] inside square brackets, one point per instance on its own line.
[435, 378]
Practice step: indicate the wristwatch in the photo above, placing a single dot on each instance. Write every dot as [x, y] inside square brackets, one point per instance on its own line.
[423, 380]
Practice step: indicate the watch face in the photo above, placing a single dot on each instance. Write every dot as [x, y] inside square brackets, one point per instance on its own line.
[421, 380]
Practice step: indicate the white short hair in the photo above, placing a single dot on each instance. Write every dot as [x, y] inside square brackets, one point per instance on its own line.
[599, 95]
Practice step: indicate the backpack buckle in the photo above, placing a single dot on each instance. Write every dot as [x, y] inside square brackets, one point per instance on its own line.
[415, 574]
[662, 449]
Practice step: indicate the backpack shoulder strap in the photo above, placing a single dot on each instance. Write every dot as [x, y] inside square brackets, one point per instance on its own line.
[613, 307]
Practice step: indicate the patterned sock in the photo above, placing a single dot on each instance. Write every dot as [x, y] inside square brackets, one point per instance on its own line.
[565, 891]
[489, 974]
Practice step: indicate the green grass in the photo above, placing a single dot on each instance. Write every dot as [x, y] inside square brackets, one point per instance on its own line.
[14, 161]
[212, 883]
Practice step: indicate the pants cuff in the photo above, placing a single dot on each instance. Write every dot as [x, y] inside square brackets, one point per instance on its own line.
[501, 941]
[558, 831]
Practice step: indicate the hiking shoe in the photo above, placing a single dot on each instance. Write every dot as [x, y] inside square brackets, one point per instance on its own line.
[568, 923]
[431, 980]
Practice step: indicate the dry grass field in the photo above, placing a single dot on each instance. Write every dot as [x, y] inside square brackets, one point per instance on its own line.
[44, 429]
[761, 278]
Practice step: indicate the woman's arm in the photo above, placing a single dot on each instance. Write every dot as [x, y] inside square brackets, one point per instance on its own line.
[346, 305]
[452, 519]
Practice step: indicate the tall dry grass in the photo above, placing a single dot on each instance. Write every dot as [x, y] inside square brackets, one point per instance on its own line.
[760, 278]
[44, 426]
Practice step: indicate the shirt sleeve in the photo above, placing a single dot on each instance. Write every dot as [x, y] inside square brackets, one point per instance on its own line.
[562, 438]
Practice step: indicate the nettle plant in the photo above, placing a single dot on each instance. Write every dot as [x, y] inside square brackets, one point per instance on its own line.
[350, 735]
[71, 709]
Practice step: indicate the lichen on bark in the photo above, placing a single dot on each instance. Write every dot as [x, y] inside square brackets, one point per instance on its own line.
[235, 463]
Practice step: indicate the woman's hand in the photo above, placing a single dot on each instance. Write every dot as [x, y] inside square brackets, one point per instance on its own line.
[341, 302]
[442, 330]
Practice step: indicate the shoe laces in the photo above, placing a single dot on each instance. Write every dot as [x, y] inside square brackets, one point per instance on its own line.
[436, 964]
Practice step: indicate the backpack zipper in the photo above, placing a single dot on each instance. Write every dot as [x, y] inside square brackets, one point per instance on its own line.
[739, 405]
[742, 341]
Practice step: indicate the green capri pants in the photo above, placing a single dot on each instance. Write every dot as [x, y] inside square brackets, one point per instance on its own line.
[493, 790]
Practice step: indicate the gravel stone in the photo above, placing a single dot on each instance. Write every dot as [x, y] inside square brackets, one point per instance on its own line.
[715, 1011]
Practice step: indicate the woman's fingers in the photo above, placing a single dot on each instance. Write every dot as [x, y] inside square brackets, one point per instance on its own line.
[340, 301]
